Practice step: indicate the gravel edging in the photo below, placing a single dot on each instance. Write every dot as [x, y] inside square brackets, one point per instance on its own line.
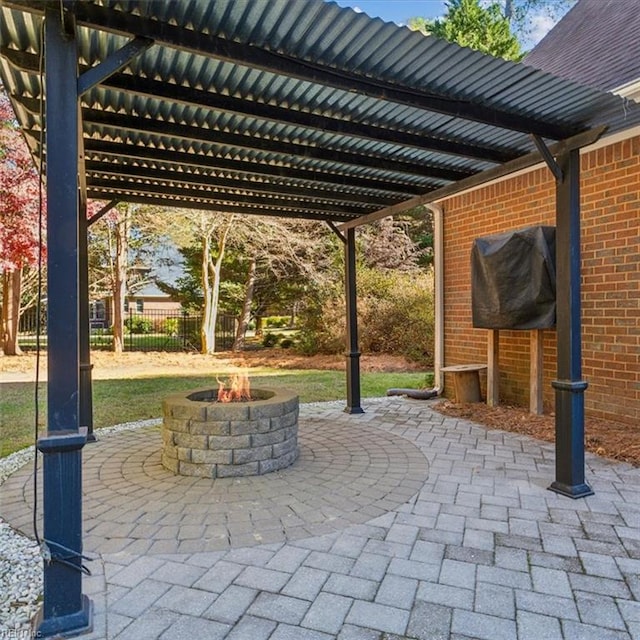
[20, 564]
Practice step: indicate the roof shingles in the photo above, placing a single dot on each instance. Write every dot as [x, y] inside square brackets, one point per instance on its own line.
[597, 44]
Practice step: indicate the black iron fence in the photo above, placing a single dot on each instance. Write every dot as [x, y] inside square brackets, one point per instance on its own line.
[152, 330]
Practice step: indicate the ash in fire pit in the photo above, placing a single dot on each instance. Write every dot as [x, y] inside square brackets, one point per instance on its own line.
[206, 437]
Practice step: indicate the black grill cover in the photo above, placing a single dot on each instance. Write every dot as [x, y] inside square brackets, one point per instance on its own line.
[514, 279]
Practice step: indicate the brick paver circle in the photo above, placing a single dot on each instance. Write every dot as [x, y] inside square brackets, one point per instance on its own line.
[346, 474]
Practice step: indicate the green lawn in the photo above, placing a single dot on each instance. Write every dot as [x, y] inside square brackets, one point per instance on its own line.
[117, 401]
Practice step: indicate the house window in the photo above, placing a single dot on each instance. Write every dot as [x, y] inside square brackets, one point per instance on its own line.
[97, 311]
[139, 305]
[97, 314]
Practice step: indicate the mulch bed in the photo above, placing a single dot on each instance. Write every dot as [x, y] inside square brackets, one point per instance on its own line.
[605, 438]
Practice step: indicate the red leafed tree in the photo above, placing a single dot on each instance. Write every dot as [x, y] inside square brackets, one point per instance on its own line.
[19, 221]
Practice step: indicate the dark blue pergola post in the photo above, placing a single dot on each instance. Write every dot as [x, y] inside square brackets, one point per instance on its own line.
[353, 353]
[65, 610]
[569, 387]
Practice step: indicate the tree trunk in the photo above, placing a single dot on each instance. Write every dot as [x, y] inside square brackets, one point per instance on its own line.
[11, 285]
[211, 287]
[121, 260]
[245, 316]
[259, 323]
[207, 330]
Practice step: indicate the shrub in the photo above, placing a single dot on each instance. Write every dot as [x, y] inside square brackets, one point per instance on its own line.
[270, 340]
[170, 326]
[322, 326]
[138, 324]
[395, 316]
[401, 321]
[277, 322]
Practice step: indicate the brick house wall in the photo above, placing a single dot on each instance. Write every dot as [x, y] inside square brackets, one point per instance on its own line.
[610, 202]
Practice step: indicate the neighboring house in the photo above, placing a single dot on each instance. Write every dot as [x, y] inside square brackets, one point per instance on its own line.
[148, 302]
[152, 301]
[595, 43]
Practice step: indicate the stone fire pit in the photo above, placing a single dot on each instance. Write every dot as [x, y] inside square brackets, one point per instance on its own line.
[205, 438]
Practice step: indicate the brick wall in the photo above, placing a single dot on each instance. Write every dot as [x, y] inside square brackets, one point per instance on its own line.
[610, 201]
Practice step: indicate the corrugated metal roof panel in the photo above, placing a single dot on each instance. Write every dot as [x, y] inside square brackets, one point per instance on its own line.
[315, 94]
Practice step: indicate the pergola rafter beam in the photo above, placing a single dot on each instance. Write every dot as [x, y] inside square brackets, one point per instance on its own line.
[282, 115]
[96, 169]
[180, 158]
[279, 146]
[140, 124]
[206, 205]
[180, 191]
[196, 97]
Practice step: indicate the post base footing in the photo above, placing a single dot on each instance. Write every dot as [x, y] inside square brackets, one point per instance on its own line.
[353, 410]
[571, 491]
[73, 624]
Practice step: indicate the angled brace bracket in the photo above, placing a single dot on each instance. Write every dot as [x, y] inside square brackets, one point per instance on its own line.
[113, 63]
[107, 207]
[547, 157]
[337, 231]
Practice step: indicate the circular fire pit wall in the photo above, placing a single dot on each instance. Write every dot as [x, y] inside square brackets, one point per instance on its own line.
[205, 438]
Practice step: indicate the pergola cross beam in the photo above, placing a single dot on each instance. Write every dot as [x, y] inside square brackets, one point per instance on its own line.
[529, 160]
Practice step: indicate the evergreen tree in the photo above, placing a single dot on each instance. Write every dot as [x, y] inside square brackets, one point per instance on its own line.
[469, 24]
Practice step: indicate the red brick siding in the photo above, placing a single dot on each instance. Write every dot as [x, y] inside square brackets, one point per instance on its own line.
[610, 201]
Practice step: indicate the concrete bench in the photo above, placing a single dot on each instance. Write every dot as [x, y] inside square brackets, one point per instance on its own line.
[466, 381]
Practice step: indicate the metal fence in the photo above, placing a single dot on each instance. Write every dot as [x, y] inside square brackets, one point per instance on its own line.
[144, 331]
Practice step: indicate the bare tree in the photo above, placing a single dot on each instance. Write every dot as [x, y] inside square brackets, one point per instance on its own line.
[245, 314]
[387, 245]
[19, 293]
[283, 256]
[121, 239]
[214, 232]
[119, 250]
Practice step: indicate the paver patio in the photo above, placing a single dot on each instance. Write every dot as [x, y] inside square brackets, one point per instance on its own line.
[398, 523]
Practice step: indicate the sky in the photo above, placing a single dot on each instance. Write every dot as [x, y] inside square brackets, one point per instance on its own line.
[399, 11]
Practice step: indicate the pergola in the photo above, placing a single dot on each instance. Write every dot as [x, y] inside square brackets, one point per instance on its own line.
[293, 108]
